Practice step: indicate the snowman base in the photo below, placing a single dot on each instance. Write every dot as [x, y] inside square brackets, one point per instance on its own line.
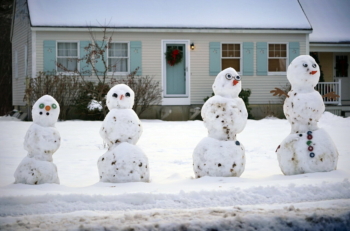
[124, 162]
[33, 171]
[307, 152]
[218, 158]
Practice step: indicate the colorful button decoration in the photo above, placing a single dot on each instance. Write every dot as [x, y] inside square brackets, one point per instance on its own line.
[54, 106]
[309, 143]
[310, 148]
[312, 155]
[309, 132]
[237, 142]
[41, 106]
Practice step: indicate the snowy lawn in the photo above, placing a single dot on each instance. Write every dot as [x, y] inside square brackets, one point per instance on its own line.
[261, 198]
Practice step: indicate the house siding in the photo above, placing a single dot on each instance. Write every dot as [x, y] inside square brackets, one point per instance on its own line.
[21, 36]
[201, 82]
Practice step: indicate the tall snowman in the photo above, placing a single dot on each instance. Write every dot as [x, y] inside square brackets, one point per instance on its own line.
[308, 148]
[224, 115]
[120, 130]
[41, 141]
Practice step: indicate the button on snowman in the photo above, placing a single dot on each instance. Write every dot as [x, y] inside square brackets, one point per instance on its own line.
[120, 130]
[308, 148]
[224, 115]
[41, 141]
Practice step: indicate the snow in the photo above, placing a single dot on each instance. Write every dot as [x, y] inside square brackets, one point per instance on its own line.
[159, 14]
[330, 20]
[261, 198]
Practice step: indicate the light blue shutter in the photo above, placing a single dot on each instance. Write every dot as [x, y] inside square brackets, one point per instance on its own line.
[248, 60]
[214, 58]
[136, 56]
[85, 68]
[99, 66]
[50, 56]
[294, 50]
[261, 58]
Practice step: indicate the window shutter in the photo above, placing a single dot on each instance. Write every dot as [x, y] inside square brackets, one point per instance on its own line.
[294, 50]
[136, 56]
[50, 56]
[248, 61]
[261, 58]
[85, 68]
[214, 58]
[99, 66]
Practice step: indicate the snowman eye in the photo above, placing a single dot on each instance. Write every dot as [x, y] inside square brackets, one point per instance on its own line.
[115, 95]
[314, 65]
[228, 76]
[54, 106]
[238, 77]
[304, 65]
[127, 94]
[41, 106]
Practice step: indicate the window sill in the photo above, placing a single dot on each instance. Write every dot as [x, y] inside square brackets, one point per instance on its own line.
[276, 73]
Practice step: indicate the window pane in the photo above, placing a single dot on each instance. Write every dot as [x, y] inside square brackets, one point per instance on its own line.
[68, 64]
[118, 64]
[224, 53]
[231, 50]
[235, 63]
[67, 49]
[277, 65]
[118, 50]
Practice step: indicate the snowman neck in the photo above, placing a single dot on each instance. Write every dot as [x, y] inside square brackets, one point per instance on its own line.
[303, 88]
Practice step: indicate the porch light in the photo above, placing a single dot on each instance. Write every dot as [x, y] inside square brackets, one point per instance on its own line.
[192, 46]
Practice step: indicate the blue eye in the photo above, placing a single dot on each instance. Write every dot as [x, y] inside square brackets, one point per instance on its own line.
[314, 65]
[229, 76]
[304, 65]
[238, 77]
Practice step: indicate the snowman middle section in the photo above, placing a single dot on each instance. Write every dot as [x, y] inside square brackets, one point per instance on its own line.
[224, 115]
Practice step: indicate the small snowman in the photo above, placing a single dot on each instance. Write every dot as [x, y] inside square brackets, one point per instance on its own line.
[120, 130]
[308, 148]
[41, 141]
[224, 115]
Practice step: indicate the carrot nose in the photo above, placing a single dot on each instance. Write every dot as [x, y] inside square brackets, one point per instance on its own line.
[235, 82]
[313, 72]
[47, 108]
[121, 97]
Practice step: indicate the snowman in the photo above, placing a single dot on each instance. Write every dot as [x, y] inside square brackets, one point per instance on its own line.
[41, 141]
[224, 115]
[120, 130]
[308, 148]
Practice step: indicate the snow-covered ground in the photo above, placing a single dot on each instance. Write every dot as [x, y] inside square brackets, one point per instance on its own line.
[262, 198]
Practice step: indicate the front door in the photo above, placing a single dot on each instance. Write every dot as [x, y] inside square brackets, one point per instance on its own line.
[176, 73]
[341, 72]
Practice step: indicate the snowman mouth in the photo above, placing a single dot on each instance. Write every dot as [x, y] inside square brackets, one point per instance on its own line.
[313, 72]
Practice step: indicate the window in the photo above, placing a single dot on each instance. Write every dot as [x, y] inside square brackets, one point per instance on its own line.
[118, 57]
[25, 60]
[231, 56]
[67, 56]
[277, 60]
[341, 66]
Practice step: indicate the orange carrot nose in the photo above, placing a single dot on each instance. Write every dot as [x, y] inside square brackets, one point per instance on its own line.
[47, 108]
[313, 72]
[235, 82]
[121, 97]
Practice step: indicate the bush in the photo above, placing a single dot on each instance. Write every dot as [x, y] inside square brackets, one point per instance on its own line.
[64, 88]
[244, 94]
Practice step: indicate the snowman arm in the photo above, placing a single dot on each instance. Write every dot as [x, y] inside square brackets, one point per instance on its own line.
[331, 95]
[279, 92]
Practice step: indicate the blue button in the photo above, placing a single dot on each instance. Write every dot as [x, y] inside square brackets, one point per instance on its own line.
[309, 132]
[237, 142]
[312, 155]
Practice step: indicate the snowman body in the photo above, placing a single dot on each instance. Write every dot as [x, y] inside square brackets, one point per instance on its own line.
[224, 115]
[41, 141]
[120, 130]
[308, 148]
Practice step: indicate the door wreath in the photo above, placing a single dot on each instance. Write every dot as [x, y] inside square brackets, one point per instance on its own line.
[173, 56]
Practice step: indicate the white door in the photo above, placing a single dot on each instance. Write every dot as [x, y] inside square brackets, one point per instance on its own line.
[341, 72]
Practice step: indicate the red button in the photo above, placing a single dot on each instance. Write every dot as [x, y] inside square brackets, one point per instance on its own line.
[309, 137]
[310, 148]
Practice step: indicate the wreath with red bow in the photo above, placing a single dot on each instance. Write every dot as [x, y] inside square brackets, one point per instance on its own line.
[173, 56]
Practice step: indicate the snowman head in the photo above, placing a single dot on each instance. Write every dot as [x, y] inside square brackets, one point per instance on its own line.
[227, 83]
[45, 111]
[120, 96]
[303, 72]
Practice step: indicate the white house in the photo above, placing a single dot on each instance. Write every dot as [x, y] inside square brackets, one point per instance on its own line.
[258, 38]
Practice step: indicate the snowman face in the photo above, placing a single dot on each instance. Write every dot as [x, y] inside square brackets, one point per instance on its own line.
[227, 83]
[120, 96]
[303, 72]
[45, 111]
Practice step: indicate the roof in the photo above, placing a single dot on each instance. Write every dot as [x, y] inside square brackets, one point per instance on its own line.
[330, 20]
[218, 14]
